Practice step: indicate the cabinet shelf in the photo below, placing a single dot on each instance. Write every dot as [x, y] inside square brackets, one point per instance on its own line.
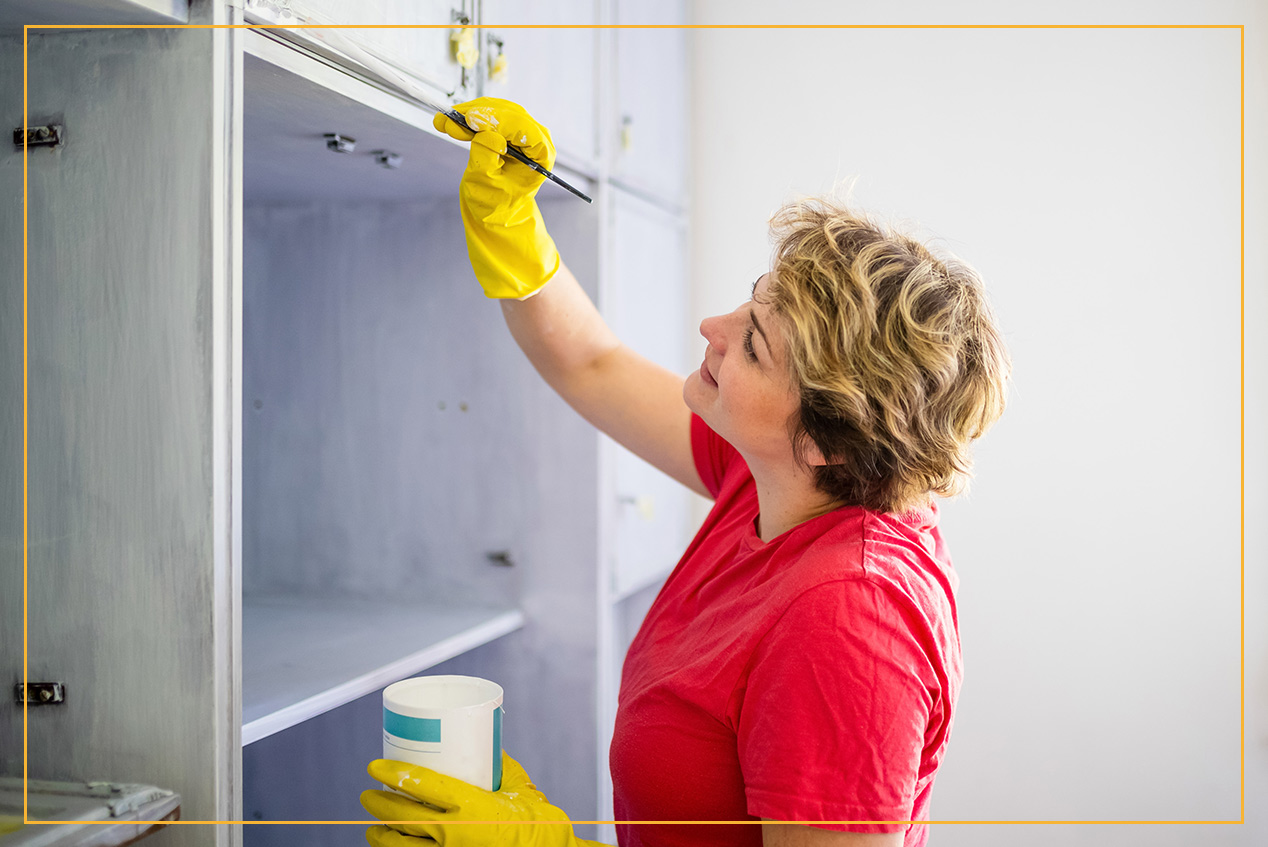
[292, 100]
[307, 655]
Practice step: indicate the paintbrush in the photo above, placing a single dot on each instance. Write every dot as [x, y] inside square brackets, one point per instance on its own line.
[515, 153]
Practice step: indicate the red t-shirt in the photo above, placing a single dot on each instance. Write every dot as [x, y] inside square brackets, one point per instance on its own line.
[811, 678]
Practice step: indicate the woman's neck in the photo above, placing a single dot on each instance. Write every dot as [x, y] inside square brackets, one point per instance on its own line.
[786, 500]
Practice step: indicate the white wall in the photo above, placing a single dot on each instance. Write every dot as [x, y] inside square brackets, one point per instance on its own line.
[1094, 177]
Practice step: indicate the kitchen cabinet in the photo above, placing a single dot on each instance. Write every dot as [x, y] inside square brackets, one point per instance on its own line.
[649, 124]
[281, 450]
[414, 38]
[552, 71]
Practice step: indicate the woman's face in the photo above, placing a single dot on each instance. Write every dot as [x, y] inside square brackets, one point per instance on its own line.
[743, 390]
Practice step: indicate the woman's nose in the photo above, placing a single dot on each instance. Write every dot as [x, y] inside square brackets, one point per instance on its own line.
[711, 329]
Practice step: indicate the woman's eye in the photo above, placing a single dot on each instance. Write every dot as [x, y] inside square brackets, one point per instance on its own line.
[748, 344]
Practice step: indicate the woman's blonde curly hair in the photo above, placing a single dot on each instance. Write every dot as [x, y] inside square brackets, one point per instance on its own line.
[896, 351]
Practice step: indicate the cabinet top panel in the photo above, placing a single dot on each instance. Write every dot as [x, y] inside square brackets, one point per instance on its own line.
[291, 103]
[15, 14]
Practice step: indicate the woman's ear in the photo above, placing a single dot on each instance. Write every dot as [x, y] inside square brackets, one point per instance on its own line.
[804, 448]
[811, 454]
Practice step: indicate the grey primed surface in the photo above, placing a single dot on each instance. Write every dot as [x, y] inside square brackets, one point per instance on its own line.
[365, 335]
[359, 457]
[532, 477]
[120, 414]
[11, 407]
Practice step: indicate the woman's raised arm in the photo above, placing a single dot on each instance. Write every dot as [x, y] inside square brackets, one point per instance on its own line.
[632, 399]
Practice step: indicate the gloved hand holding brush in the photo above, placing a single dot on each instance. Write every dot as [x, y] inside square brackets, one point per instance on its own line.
[510, 250]
[454, 813]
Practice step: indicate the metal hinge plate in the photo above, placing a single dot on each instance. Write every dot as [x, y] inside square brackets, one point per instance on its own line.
[39, 136]
[40, 693]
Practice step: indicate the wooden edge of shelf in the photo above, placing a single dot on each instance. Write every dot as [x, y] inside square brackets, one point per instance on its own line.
[433, 654]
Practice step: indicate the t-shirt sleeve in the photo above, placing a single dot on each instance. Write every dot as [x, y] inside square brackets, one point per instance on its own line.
[834, 711]
[712, 453]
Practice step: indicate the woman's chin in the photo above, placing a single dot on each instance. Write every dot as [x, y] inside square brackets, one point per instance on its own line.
[697, 396]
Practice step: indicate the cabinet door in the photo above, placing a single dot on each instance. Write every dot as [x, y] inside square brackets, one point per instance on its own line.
[129, 595]
[647, 309]
[409, 35]
[551, 71]
[650, 136]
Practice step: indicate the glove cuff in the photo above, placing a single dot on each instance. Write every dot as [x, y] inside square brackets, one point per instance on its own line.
[511, 261]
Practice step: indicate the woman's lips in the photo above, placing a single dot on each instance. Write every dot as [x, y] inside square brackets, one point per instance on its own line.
[705, 375]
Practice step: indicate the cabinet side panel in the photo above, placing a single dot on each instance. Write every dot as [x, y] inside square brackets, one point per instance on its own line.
[11, 407]
[120, 462]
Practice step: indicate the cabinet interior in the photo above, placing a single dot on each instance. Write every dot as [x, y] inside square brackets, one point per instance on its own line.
[367, 554]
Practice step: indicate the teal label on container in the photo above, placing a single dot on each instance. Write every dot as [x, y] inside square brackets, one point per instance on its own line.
[414, 729]
[497, 748]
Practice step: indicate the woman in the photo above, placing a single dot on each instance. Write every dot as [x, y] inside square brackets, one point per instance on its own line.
[802, 661]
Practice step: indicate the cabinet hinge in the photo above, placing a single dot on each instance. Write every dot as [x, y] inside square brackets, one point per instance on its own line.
[40, 693]
[39, 136]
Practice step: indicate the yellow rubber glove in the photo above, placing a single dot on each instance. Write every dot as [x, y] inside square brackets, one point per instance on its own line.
[511, 252]
[517, 815]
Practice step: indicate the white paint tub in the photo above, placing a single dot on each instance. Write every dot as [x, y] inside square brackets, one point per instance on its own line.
[451, 724]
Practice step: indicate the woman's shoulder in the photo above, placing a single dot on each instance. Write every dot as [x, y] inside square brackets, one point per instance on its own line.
[863, 551]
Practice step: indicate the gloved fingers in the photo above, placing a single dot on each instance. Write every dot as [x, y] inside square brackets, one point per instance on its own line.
[423, 784]
[492, 140]
[482, 112]
[514, 777]
[538, 145]
[518, 127]
[505, 181]
[487, 162]
[388, 807]
[513, 122]
[489, 159]
[532, 138]
[442, 122]
[385, 836]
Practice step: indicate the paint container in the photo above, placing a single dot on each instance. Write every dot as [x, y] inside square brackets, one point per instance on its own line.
[451, 724]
